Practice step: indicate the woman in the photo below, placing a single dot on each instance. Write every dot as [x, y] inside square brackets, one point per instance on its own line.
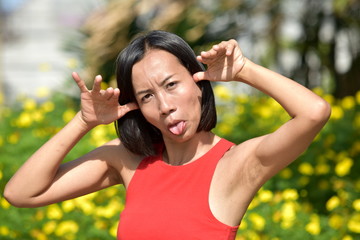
[182, 181]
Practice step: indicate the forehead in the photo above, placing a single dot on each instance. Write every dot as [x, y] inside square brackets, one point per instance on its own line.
[156, 65]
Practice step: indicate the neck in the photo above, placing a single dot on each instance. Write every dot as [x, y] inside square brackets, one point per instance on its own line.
[185, 152]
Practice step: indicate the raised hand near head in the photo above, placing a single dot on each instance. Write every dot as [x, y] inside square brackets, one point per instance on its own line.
[100, 106]
[224, 61]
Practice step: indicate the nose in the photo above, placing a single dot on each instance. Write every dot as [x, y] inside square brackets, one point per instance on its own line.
[166, 104]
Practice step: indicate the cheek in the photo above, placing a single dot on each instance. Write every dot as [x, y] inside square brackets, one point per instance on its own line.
[149, 114]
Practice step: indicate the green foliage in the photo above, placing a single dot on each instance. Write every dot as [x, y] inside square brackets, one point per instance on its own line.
[314, 198]
[24, 128]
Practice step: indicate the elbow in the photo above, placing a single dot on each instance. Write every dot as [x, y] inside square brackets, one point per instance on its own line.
[10, 196]
[14, 199]
[320, 112]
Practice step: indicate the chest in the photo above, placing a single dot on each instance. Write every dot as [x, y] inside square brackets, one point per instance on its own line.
[175, 198]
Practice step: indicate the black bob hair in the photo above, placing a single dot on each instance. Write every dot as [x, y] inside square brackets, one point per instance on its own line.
[138, 135]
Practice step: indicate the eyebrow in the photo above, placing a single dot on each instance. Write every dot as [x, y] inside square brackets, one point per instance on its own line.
[162, 83]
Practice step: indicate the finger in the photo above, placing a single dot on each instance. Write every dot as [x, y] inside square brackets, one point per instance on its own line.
[79, 82]
[108, 93]
[229, 49]
[97, 84]
[122, 110]
[209, 54]
[116, 95]
[200, 59]
[199, 76]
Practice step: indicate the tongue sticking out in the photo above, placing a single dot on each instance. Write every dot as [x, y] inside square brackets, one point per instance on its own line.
[177, 128]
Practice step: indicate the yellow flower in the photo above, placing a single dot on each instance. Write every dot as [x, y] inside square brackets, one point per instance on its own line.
[42, 92]
[39, 215]
[68, 205]
[13, 138]
[318, 90]
[329, 98]
[67, 227]
[99, 135]
[265, 195]
[1, 98]
[113, 229]
[357, 96]
[4, 231]
[38, 235]
[343, 167]
[37, 116]
[356, 204]
[25, 120]
[72, 63]
[355, 149]
[48, 106]
[49, 227]
[332, 203]
[112, 209]
[104, 85]
[224, 128]
[322, 169]
[87, 206]
[288, 214]
[101, 224]
[290, 194]
[68, 115]
[44, 67]
[336, 221]
[264, 111]
[357, 120]
[254, 203]
[348, 102]
[239, 109]
[313, 227]
[286, 173]
[336, 113]
[222, 92]
[29, 104]
[306, 169]
[304, 180]
[288, 211]
[257, 221]
[329, 140]
[242, 99]
[4, 203]
[354, 223]
[347, 237]
[1, 141]
[54, 212]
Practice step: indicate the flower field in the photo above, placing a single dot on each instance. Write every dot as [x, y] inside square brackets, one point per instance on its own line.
[316, 197]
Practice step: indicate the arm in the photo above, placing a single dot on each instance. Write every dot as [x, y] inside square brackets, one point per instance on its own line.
[270, 153]
[43, 180]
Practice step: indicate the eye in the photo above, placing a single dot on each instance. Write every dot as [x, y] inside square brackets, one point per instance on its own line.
[171, 85]
[146, 97]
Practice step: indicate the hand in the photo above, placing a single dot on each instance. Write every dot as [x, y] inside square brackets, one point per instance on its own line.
[224, 60]
[100, 106]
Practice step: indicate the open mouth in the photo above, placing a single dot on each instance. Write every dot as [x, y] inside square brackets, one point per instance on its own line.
[177, 128]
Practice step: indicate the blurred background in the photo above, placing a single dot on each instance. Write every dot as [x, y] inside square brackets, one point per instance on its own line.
[314, 42]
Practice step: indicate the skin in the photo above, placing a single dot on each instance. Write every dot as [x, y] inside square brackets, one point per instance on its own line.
[165, 92]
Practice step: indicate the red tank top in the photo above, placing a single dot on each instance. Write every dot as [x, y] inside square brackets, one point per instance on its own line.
[171, 202]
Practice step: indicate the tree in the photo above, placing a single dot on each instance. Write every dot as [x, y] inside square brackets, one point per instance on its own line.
[314, 42]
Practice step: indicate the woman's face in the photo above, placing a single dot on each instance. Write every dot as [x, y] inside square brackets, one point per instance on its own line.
[167, 95]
